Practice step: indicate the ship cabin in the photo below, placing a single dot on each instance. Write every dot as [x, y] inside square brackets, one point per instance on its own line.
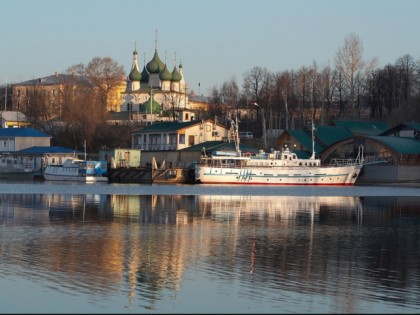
[281, 158]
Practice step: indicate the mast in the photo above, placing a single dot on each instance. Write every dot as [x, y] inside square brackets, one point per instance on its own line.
[84, 145]
[236, 135]
[313, 140]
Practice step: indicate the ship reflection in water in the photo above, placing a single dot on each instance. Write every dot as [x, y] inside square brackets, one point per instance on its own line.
[214, 254]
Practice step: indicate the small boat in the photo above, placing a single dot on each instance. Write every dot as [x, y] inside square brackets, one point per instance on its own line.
[275, 168]
[77, 170]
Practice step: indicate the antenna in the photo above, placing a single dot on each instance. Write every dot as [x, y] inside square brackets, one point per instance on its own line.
[156, 38]
[5, 97]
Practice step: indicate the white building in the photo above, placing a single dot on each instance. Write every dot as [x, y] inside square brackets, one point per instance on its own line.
[179, 134]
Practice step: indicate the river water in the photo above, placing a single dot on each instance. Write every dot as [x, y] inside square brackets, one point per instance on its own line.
[132, 248]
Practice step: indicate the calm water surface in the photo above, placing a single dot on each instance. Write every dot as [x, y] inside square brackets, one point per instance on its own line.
[116, 248]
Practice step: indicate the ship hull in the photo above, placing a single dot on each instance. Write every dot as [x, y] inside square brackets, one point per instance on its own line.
[326, 176]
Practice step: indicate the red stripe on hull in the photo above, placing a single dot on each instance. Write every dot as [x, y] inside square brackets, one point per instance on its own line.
[283, 184]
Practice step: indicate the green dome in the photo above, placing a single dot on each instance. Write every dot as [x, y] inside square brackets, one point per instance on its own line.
[144, 75]
[176, 76]
[165, 75]
[135, 74]
[155, 65]
[145, 107]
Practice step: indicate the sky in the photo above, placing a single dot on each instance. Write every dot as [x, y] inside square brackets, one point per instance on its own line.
[216, 40]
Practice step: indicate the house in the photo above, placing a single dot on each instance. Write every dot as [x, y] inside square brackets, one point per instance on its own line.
[15, 139]
[53, 90]
[31, 148]
[121, 157]
[38, 157]
[178, 135]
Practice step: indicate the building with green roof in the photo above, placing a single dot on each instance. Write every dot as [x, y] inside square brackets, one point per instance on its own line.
[371, 128]
[167, 89]
[178, 135]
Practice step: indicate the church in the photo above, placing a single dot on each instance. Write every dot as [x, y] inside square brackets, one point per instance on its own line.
[155, 94]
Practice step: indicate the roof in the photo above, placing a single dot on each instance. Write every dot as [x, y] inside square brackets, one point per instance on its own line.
[55, 80]
[198, 98]
[367, 128]
[12, 116]
[407, 126]
[210, 146]
[22, 132]
[400, 145]
[305, 139]
[46, 150]
[330, 135]
[125, 115]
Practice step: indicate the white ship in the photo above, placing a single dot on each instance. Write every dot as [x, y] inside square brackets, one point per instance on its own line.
[275, 168]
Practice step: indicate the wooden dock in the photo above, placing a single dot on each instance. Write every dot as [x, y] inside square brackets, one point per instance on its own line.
[145, 175]
[130, 175]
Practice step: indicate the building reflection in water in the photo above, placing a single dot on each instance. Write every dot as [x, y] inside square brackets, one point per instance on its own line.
[145, 243]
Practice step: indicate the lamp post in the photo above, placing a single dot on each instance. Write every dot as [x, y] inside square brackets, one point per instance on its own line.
[263, 125]
[151, 100]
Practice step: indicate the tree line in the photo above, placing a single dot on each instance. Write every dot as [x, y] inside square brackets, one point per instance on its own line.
[350, 88]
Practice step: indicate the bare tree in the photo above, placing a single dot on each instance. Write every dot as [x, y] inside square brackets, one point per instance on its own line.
[407, 69]
[327, 91]
[215, 108]
[230, 98]
[104, 74]
[349, 63]
[313, 88]
[285, 83]
[302, 90]
[258, 84]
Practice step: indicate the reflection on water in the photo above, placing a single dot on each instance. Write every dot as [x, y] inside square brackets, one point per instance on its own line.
[212, 253]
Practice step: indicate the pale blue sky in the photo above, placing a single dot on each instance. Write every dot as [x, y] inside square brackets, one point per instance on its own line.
[216, 40]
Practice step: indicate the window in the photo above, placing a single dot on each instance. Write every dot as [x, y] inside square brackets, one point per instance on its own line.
[182, 138]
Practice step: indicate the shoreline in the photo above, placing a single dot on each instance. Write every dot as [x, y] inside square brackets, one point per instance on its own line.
[408, 183]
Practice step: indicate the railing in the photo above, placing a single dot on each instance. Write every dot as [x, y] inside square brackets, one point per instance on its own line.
[371, 159]
[155, 147]
[344, 162]
[376, 159]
